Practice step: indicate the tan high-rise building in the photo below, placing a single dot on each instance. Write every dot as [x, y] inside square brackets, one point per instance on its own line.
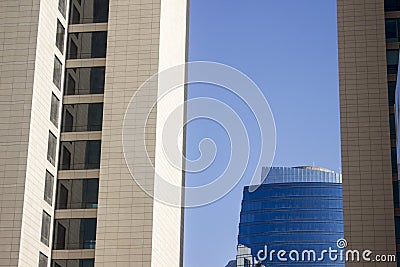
[68, 70]
[369, 40]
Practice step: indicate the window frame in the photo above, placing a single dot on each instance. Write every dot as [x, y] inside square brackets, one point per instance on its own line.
[60, 36]
[57, 72]
[45, 229]
[54, 110]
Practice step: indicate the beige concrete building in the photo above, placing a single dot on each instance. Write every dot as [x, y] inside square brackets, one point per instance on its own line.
[368, 61]
[68, 71]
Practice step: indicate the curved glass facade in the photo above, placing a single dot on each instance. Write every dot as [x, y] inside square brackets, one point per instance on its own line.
[300, 214]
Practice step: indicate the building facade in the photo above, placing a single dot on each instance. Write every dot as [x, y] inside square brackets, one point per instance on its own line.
[68, 71]
[368, 36]
[294, 209]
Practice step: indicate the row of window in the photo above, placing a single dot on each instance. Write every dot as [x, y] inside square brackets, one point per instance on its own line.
[73, 263]
[43, 261]
[52, 140]
[86, 117]
[294, 226]
[267, 191]
[392, 27]
[77, 194]
[81, 81]
[316, 203]
[89, 11]
[84, 45]
[80, 155]
[82, 117]
[72, 234]
[291, 237]
[303, 215]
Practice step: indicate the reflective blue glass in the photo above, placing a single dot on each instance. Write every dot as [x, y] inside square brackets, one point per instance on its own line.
[292, 216]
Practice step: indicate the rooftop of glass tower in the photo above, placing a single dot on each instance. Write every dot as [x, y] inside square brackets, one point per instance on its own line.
[301, 174]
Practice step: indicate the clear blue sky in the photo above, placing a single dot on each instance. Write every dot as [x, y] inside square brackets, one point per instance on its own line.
[289, 49]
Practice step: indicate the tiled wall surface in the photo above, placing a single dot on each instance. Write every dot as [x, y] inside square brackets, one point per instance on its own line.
[366, 159]
[27, 50]
[132, 230]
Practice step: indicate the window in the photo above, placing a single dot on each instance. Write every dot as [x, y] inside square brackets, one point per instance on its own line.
[392, 58]
[60, 37]
[75, 234]
[73, 263]
[61, 6]
[392, 93]
[80, 81]
[394, 159]
[396, 197]
[57, 72]
[55, 103]
[87, 45]
[80, 155]
[392, 30]
[77, 194]
[75, 15]
[397, 224]
[392, 125]
[45, 234]
[42, 260]
[82, 117]
[48, 188]
[89, 11]
[392, 5]
[52, 148]
[68, 122]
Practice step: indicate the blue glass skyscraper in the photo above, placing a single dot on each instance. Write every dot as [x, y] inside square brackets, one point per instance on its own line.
[291, 219]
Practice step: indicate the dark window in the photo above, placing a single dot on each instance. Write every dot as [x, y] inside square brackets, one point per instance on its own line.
[73, 263]
[75, 15]
[73, 50]
[61, 6]
[65, 158]
[57, 72]
[87, 45]
[89, 11]
[52, 148]
[85, 81]
[42, 260]
[62, 196]
[48, 188]
[75, 234]
[80, 155]
[45, 234]
[396, 197]
[55, 103]
[60, 235]
[394, 160]
[77, 194]
[397, 223]
[392, 93]
[392, 5]
[60, 36]
[70, 82]
[92, 156]
[68, 122]
[392, 58]
[82, 117]
[392, 123]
